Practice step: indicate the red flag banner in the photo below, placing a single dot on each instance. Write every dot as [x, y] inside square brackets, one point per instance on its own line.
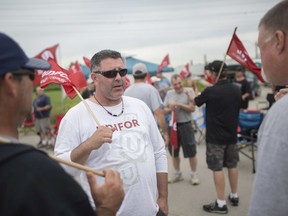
[57, 75]
[87, 62]
[238, 52]
[47, 53]
[165, 62]
[185, 72]
[127, 82]
[173, 132]
[208, 77]
[77, 77]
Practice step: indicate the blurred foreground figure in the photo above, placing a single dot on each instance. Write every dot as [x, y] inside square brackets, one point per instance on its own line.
[270, 190]
[30, 182]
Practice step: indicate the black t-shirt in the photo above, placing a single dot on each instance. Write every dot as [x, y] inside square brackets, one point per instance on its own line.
[32, 184]
[42, 101]
[245, 88]
[222, 112]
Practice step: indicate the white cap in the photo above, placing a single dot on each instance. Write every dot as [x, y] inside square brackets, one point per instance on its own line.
[139, 69]
[155, 79]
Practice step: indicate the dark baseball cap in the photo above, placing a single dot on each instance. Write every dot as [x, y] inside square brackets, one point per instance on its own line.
[12, 57]
[215, 66]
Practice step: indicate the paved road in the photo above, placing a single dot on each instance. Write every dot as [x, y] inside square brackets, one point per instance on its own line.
[187, 200]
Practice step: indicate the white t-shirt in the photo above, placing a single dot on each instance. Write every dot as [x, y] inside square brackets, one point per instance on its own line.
[137, 150]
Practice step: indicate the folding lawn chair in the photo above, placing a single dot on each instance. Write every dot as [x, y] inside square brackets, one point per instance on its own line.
[249, 123]
[199, 125]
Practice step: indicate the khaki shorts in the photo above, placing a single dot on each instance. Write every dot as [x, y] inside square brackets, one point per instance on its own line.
[42, 125]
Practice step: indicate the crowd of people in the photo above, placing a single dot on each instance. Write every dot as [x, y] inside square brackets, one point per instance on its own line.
[130, 144]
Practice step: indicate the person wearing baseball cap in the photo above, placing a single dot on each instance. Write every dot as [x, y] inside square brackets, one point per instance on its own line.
[215, 67]
[222, 111]
[149, 94]
[37, 184]
[14, 60]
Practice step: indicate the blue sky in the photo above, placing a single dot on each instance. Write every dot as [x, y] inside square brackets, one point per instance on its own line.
[186, 29]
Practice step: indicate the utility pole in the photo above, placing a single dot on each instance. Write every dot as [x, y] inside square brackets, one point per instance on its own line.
[205, 59]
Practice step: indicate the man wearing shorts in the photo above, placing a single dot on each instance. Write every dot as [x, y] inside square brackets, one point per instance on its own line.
[222, 112]
[179, 99]
[42, 107]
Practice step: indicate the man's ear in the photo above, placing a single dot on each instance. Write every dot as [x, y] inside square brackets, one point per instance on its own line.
[10, 84]
[281, 40]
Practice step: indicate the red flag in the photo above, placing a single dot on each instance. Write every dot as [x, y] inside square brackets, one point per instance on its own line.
[57, 75]
[47, 53]
[127, 82]
[237, 51]
[165, 62]
[173, 132]
[77, 77]
[148, 78]
[185, 72]
[208, 77]
[87, 62]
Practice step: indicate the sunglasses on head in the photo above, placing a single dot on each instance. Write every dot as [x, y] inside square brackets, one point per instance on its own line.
[112, 73]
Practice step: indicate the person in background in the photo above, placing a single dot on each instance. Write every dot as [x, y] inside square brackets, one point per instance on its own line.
[222, 112]
[148, 94]
[178, 99]
[30, 182]
[188, 82]
[154, 82]
[42, 109]
[270, 188]
[245, 87]
[90, 90]
[164, 85]
[128, 139]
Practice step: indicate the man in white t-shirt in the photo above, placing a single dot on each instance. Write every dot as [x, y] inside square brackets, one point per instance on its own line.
[128, 139]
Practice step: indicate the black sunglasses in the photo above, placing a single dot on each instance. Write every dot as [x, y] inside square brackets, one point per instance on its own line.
[112, 73]
[31, 75]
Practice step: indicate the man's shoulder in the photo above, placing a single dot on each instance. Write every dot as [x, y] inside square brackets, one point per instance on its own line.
[139, 89]
[132, 101]
[9, 152]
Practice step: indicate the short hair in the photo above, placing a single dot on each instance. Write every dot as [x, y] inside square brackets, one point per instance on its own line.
[276, 18]
[101, 55]
[140, 77]
[175, 76]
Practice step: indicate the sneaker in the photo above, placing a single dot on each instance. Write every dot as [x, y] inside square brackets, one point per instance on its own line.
[195, 180]
[50, 142]
[44, 142]
[176, 178]
[214, 208]
[233, 200]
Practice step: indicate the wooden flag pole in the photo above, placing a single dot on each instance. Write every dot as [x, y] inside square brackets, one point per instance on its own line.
[87, 106]
[220, 71]
[222, 65]
[76, 165]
